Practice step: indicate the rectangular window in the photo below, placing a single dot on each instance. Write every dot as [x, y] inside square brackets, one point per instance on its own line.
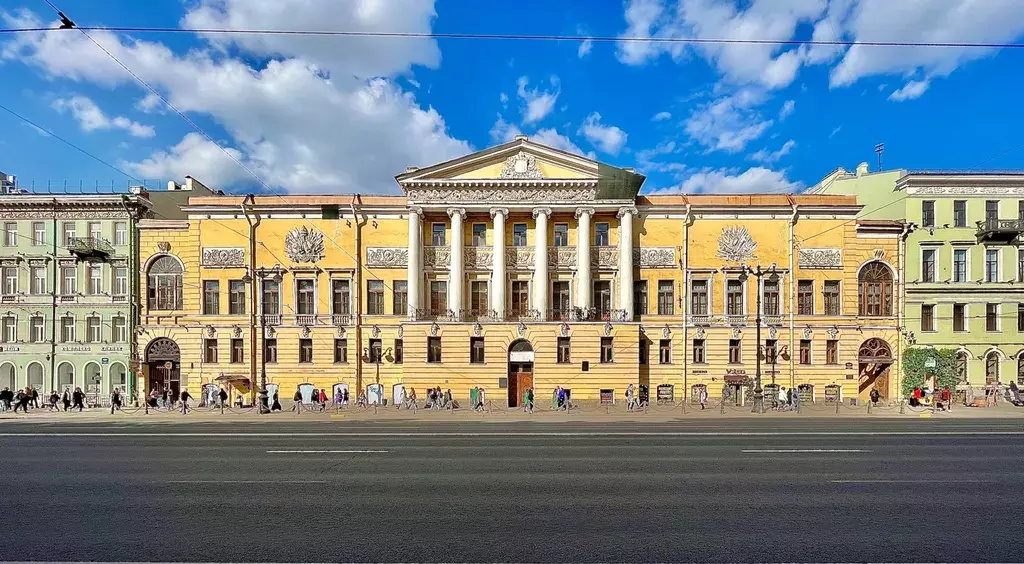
[399, 351]
[10, 234]
[340, 297]
[771, 297]
[376, 352]
[69, 280]
[602, 297]
[601, 234]
[119, 328]
[832, 301]
[38, 233]
[643, 348]
[805, 351]
[437, 234]
[640, 297]
[991, 211]
[771, 351]
[211, 297]
[666, 297]
[479, 238]
[271, 297]
[69, 232]
[439, 296]
[95, 275]
[399, 297]
[38, 275]
[8, 329]
[305, 296]
[959, 265]
[928, 265]
[95, 230]
[1020, 264]
[10, 280]
[120, 233]
[698, 351]
[959, 213]
[67, 329]
[210, 351]
[832, 351]
[606, 350]
[928, 213]
[375, 297]
[991, 317]
[805, 297]
[237, 351]
[340, 351]
[37, 329]
[121, 281]
[236, 297]
[561, 235]
[564, 356]
[991, 265]
[699, 297]
[734, 297]
[476, 350]
[927, 317]
[305, 351]
[433, 349]
[519, 235]
[959, 317]
[478, 297]
[665, 351]
[1020, 210]
[270, 350]
[520, 297]
[1020, 319]
[560, 299]
[735, 353]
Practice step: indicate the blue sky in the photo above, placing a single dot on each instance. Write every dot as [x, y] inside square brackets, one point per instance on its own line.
[346, 115]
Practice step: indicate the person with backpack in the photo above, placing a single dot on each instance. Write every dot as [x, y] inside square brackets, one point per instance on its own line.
[297, 401]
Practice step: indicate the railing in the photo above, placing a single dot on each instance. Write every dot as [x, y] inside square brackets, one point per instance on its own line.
[433, 314]
[305, 319]
[90, 246]
[64, 298]
[437, 257]
[1000, 228]
[733, 319]
[479, 315]
[772, 320]
[119, 299]
[522, 314]
[700, 319]
[604, 256]
[560, 314]
[562, 257]
[519, 257]
[620, 315]
[339, 319]
[9, 298]
[272, 319]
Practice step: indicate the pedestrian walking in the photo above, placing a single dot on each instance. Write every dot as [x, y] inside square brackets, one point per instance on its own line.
[630, 397]
[163, 397]
[6, 398]
[66, 398]
[479, 399]
[344, 399]
[115, 400]
[223, 397]
[35, 398]
[185, 397]
[529, 399]
[276, 404]
[412, 399]
[796, 400]
[297, 401]
[21, 400]
[875, 396]
[946, 395]
[78, 400]
[702, 396]
[54, 404]
[323, 400]
[782, 397]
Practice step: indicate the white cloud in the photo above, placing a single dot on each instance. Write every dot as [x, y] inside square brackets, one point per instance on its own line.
[553, 138]
[607, 138]
[308, 121]
[538, 103]
[787, 109]
[503, 131]
[584, 48]
[913, 89]
[756, 180]
[196, 156]
[727, 123]
[645, 19]
[149, 103]
[661, 116]
[91, 118]
[503, 98]
[766, 156]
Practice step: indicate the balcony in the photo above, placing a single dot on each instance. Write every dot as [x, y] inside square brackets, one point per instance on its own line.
[736, 320]
[1000, 230]
[438, 258]
[305, 319]
[700, 319]
[559, 315]
[272, 319]
[9, 298]
[562, 257]
[522, 314]
[118, 299]
[433, 314]
[341, 319]
[66, 298]
[87, 247]
[772, 320]
[479, 315]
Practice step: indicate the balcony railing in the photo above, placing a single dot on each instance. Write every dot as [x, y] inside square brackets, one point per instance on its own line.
[65, 298]
[305, 319]
[119, 299]
[772, 320]
[479, 315]
[90, 246]
[522, 314]
[700, 319]
[562, 257]
[433, 314]
[439, 257]
[560, 315]
[272, 319]
[733, 319]
[340, 319]
[1000, 230]
[8, 298]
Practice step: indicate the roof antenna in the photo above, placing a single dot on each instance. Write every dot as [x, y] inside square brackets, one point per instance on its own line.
[879, 149]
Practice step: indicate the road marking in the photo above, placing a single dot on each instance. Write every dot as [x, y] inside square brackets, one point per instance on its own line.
[802, 450]
[247, 482]
[950, 481]
[325, 451]
[210, 435]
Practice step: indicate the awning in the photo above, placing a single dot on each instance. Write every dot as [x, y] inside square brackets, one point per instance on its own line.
[735, 378]
[232, 378]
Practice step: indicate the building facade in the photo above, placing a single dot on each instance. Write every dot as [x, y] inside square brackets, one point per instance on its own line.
[68, 267]
[965, 262]
[515, 267]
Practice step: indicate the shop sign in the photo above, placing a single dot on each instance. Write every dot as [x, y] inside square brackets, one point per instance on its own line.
[699, 371]
[832, 393]
[607, 397]
[10, 348]
[666, 393]
[75, 348]
[735, 372]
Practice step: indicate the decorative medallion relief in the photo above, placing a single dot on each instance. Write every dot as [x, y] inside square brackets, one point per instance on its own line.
[516, 195]
[223, 256]
[437, 257]
[387, 256]
[562, 257]
[736, 245]
[820, 258]
[653, 257]
[520, 166]
[604, 257]
[303, 244]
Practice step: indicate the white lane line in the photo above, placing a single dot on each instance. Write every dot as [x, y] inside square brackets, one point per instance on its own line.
[802, 450]
[325, 451]
[247, 482]
[949, 481]
[552, 434]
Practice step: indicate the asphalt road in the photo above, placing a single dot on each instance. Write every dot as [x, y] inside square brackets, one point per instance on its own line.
[736, 490]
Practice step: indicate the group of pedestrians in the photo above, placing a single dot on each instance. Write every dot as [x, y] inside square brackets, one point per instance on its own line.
[23, 399]
[317, 398]
[637, 398]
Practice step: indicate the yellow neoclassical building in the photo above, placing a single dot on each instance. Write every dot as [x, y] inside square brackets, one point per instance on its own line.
[521, 266]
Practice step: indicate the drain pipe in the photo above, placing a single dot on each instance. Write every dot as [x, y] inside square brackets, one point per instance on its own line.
[684, 264]
[357, 293]
[254, 222]
[792, 295]
[900, 307]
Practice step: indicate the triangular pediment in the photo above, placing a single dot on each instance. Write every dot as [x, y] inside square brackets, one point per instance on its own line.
[520, 159]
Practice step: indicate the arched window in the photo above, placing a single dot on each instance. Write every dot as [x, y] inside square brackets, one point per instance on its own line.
[961, 367]
[92, 376]
[116, 378]
[876, 289]
[992, 367]
[65, 376]
[35, 376]
[164, 284]
[7, 376]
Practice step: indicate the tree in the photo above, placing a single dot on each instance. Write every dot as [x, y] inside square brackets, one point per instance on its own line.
[915, 368]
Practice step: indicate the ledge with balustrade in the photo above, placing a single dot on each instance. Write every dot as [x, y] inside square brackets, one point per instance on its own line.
[438, 257]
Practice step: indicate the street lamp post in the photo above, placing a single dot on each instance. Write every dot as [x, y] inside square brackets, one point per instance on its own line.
[758, 273]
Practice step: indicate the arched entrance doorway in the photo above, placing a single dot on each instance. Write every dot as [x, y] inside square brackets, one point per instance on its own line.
[164, 359]
[875, 358]
[520, 371]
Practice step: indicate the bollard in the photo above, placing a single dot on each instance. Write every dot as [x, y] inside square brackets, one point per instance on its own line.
[839, 401]
[901, 407]
[869, 407]
[723, 406]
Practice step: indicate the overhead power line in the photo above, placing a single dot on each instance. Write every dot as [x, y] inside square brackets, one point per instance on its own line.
[519, 37]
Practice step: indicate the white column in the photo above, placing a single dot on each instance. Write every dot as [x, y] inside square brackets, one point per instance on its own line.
[498, 263]
[626, 261]
[414, 277]
[540, 261]
[455, 271]
[583, 286]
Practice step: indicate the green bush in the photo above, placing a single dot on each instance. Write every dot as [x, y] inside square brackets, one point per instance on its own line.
[914, 370]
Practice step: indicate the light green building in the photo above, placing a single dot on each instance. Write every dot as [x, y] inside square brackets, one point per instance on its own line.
[963, 269]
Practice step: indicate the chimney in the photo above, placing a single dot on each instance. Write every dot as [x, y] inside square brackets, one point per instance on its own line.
[862, 169]
[521, 138]
[172, 186]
